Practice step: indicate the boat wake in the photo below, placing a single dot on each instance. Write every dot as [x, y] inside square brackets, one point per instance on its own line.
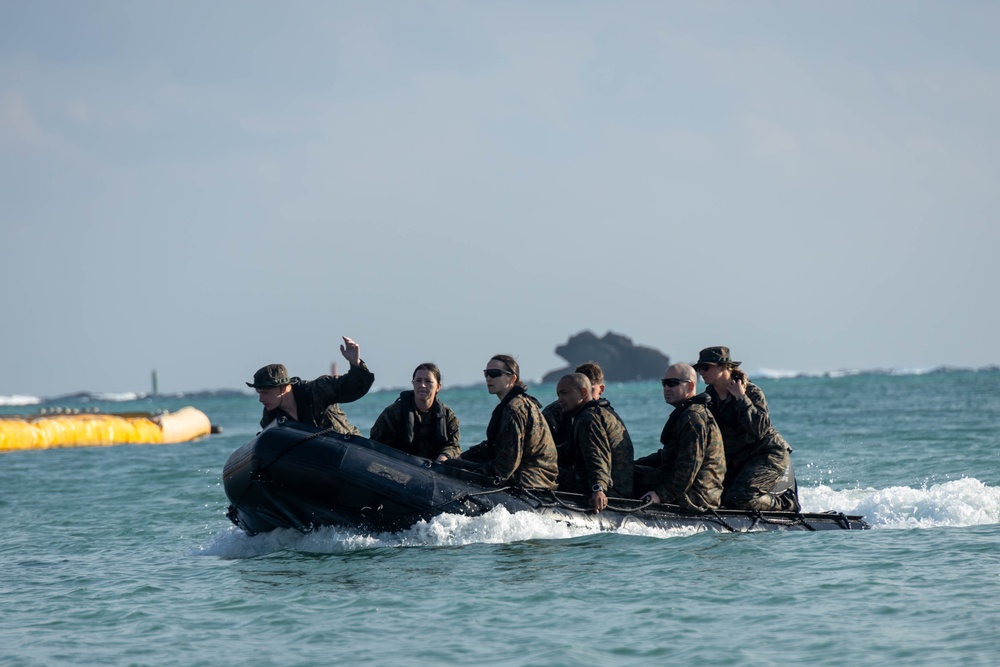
[963, 502]
[497, 526]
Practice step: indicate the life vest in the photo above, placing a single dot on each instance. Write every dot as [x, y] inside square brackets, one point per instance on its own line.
[439, 423]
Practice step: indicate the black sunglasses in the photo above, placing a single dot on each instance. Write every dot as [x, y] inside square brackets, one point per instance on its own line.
[702, 367]
[495, 373]
[672, 382]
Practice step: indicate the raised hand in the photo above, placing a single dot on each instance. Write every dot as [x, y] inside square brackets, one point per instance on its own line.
[351, 351]
[736, 388]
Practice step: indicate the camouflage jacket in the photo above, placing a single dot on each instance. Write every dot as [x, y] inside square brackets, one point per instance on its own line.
[521, 450]
[561, 427]
[599, 452]
[316, 400]
[427, 434]
[559, 422]
[745, 426]
[692, 463]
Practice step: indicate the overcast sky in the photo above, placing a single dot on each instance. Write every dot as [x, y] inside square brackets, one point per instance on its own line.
[207, 187]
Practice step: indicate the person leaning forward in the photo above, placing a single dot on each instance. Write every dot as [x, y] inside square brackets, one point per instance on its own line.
[689, 469]
[598, 458]
[313, 401]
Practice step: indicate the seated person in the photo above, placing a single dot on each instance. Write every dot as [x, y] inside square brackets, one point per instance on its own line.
[313, 402]
[559, 423]
[689, 469]
[598, 457]
[518, 446]
[418, 423]
[758, 462]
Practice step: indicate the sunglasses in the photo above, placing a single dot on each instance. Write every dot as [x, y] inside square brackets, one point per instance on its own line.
[495, 373]
[673, 382]
[701, 368]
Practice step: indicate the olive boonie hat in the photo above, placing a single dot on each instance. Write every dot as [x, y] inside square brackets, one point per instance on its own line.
[272, 375]
[716, 355]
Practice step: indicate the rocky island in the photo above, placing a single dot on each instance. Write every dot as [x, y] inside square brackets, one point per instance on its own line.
[619, 357]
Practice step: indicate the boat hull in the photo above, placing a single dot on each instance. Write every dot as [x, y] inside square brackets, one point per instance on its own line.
[296, 476]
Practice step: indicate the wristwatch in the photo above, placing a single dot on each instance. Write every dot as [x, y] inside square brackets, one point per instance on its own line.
[597, 488]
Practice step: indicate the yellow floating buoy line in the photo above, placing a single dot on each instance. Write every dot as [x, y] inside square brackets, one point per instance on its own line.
[61, 427]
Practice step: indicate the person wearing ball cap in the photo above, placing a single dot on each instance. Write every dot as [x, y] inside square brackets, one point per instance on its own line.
[759, 474]
[313, 401]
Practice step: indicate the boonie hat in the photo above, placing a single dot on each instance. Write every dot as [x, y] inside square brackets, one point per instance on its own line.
[272, 375]
[718, 354]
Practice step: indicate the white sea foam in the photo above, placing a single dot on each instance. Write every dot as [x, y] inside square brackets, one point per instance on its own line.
[910, 371]
[495, 527]
[784, 374]
[19, 400]
[775, 374]
[118, 397]
[962, 502]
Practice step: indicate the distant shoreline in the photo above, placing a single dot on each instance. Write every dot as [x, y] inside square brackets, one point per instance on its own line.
[762, 373]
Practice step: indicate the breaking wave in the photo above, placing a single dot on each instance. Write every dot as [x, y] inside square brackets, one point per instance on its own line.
[19, 400]
[782, 374]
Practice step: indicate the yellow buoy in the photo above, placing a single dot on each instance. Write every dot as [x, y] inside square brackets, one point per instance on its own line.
[44, 431]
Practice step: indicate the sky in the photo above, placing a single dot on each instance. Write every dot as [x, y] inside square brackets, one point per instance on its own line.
[202, 188]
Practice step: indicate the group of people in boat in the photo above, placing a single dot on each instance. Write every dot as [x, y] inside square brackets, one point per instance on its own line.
[719, 448]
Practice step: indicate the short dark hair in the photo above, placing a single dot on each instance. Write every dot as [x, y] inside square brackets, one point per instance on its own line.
[578, 381]
[592, 370]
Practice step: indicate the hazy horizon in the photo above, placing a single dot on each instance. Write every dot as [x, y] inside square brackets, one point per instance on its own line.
[205, 188]
[757, 374]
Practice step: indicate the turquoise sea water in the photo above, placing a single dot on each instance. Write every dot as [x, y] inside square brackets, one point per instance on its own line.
[122, 555]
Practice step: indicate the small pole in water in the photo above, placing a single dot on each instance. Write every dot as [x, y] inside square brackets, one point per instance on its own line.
[156, 387]
[333, 369]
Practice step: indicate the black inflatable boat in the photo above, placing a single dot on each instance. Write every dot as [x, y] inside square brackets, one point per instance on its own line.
[298, 476]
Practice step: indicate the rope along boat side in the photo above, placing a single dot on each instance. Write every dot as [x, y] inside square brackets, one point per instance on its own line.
[293, 475]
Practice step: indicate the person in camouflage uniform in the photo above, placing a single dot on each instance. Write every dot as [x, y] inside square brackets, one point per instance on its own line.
[758, 466]
[313, 402]
[689, 469]
[561, 424]
[518, 446]
[598, 456]
[418, 423]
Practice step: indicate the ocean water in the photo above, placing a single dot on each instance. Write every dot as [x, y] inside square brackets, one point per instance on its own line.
[122, 555]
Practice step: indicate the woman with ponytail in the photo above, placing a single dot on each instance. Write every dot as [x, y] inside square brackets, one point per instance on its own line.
[759, 473]
[518, 448]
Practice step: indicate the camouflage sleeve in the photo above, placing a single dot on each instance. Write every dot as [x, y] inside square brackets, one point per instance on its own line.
[651, 460]
[384, 428]
[595, 448]
[753, 412]
[689, 443]
[342, 389]
[480, 452]
[452, 449]
[510, 442]
[553, 415]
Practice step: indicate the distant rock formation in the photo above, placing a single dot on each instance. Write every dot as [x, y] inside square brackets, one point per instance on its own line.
[621, 360]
